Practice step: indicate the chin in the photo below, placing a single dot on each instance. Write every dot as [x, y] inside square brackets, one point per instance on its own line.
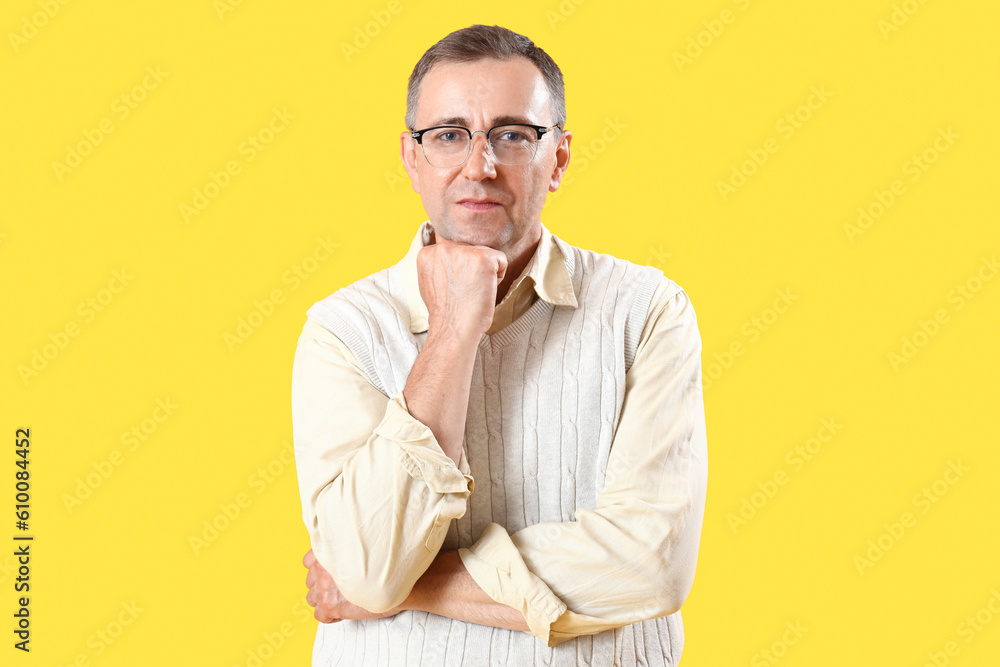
[492, 236]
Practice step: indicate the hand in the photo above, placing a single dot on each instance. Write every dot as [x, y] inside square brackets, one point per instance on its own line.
[331, 606]
[458, 282]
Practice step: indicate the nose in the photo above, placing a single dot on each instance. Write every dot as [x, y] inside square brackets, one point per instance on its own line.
[480, 164]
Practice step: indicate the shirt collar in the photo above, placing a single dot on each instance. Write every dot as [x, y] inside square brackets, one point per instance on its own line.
[547, 269]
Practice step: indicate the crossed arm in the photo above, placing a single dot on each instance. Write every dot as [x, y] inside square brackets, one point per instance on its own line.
[630, 558]
[445, 589]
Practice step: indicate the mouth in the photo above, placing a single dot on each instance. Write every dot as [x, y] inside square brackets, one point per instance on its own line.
[479, 204]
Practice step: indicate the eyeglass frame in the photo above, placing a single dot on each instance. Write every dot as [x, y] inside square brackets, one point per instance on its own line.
[540, 129]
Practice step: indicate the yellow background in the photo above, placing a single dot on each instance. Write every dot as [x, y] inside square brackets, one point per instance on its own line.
[661, 138]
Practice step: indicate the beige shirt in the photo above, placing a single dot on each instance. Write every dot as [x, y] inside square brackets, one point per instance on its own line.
[327, 378]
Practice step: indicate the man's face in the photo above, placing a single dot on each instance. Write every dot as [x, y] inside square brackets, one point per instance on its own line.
[479, 95]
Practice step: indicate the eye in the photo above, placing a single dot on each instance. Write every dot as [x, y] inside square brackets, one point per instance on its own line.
[447, 136]
[513, 135]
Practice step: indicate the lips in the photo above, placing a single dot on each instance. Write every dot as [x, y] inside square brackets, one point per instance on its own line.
[479, 204]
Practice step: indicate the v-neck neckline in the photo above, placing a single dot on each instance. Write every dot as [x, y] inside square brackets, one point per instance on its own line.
[493, 343]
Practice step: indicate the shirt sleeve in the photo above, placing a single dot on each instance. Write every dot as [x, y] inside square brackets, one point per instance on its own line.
[633, 556]
[378, 493]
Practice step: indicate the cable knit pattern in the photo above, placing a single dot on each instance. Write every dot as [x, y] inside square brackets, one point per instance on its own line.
[546, 396]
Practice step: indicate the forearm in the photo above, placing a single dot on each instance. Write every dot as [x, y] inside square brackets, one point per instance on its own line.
[447, 589]
[375, 486]
[437, 388]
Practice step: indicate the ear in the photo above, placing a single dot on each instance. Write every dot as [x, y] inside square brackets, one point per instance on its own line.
[562, 160]
[408, 153]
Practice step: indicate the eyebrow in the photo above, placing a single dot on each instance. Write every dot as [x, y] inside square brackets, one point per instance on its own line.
[499, 120]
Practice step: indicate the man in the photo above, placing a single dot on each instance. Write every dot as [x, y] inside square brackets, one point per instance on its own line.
[500, 440]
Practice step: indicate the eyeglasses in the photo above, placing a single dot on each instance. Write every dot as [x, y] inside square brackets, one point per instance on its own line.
[449, 145]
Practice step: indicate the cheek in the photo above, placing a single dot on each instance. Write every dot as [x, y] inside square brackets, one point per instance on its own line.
[534, 187]
[433, 188]
[521, 182]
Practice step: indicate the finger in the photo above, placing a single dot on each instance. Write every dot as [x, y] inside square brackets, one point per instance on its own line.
[309, 559]
[311, 598]
[325, 618]
[501, 268]
[311, 577]
[324, 614]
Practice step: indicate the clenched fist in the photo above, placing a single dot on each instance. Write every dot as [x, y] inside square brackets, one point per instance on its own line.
[458, 283]
[331, 606]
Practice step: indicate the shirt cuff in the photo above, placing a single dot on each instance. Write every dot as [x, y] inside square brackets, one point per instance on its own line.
[419, 452]
[497, 567]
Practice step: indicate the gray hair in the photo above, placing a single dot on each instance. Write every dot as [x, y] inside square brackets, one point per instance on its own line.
[478, 42]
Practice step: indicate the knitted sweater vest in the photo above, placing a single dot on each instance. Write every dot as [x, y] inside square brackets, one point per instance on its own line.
[546, 396]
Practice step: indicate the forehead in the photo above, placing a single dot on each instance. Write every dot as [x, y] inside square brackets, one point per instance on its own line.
[482, 91]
